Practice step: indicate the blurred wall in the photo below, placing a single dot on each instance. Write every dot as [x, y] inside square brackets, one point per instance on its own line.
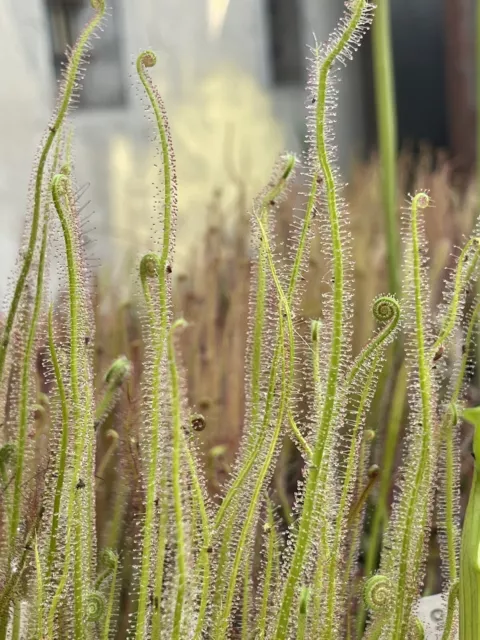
[419, 49]
[461, 80]
[219, 90]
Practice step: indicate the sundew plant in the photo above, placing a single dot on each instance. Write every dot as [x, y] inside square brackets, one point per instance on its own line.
[225, 566]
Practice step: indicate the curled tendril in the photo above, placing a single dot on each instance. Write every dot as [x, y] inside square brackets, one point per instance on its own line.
[421, 200]
[146, 59]
[279, 183]
[149, 266]
[59, 184]
[109, 558]
[118, 371]
[378, 591]
[453, 410]
[386, 309]
[373, 472]
[95, 606]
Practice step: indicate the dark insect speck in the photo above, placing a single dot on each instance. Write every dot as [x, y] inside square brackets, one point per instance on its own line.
[197, 422]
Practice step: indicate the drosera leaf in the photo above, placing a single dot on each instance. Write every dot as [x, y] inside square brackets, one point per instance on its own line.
[472, 415]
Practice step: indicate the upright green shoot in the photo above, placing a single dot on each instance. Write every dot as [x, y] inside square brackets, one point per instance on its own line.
[387, 135]
[350, 31]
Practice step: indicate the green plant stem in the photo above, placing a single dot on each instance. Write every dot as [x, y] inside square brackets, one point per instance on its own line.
[221, 565]
[303, 533]
[62, 457]
[161, 554]
[448, 424]
[387, 134]
[61, 586]
[451, 604]
[40, 592]
[79, 447]
[111, 601]
[423, 466]
[368, 359]
[298, 261]
[470, 566]
[331, 614]
[259, 323]
[105, 461]
[318, 580]
[17, 618]
[451, 528]
[302, 443]
[232, 493]
[477, 95]
[302, 617]
[88, 523]
[204, 554]
[14, 512]
[460, 280]
[159, 332]
[246, 597]
[25, 396]
[287, 383]
[355, 527]
[268, 575]
[388, 460]
[260, 299]
[176, 484]
[14, 578]
[79, 566]
[158, 336]
[60, 188]
[253, 454]
[241, 547]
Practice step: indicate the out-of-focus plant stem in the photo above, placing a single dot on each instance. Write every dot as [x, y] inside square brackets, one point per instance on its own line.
[477, 91]
[387, 134]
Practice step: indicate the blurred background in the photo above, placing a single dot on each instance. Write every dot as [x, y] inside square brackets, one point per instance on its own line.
[232, 73]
